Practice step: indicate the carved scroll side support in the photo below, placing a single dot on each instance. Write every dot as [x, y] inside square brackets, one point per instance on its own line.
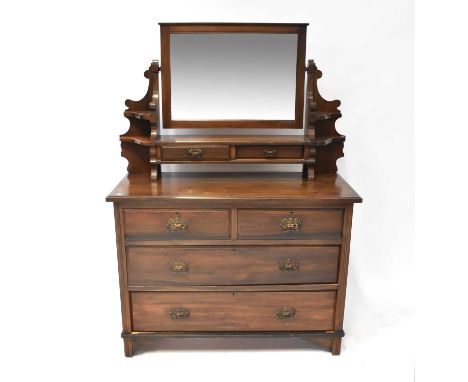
[321, 116]
[143, 116]
[137, 157]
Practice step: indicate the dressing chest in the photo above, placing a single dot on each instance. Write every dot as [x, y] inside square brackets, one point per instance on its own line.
[231, 254]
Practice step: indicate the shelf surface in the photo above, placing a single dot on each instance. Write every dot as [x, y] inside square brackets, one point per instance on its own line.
[233, 186]
[236, 139]
[138, 139]
[147, 115]
[233, 139]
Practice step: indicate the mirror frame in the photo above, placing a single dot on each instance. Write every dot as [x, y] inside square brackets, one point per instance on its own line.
[169, 28]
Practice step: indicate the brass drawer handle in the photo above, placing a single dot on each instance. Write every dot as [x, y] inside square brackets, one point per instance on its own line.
[180, 314]
[291, 224]
[286, 313]
[194, 153]
[288, 265]
[177, 224]
[270, 152]
[179, 266]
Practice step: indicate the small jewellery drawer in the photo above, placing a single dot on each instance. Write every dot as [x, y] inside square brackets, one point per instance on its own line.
[147, 266]
[161, 224]
[290, 224]
[269, 152]
[232, 311]
[195, 153]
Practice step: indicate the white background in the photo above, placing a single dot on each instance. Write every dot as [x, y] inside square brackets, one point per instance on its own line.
[66, 69]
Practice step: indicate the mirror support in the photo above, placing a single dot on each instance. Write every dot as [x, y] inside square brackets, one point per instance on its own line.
[320, 118]
[144, 129]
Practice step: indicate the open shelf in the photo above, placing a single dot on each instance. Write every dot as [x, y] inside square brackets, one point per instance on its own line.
[244, 140]
[324, 115]
[236, 139]
[147, 115]
[324, 141]
[138, 139]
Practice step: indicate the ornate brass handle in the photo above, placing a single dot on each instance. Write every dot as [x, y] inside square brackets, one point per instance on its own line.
[270, 152]
[286, 313]
[180, 313]
[194, 153]
[177, 224]
[179, 266]
[291, 224]
[288, 265]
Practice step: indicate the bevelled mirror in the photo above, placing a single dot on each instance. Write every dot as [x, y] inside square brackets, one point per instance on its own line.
[233, 75]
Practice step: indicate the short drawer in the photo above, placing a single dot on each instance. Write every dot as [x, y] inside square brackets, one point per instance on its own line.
[195, 153]
[290, 224]
[269, 152]
[162, 224]
[232, 311]
[148, 266]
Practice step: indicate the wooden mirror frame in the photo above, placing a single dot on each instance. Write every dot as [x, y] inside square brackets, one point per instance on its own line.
[169, 28]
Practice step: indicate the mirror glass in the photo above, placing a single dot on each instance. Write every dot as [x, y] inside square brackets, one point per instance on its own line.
[225, 76]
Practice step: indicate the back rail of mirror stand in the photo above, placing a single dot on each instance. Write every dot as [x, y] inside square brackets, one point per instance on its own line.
[317, 150]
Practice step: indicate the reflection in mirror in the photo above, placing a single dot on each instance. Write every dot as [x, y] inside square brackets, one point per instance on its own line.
[225, 76]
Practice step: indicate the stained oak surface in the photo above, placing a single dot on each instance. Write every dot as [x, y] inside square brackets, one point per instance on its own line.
[241, 311]
[234, 186]
[148, 266]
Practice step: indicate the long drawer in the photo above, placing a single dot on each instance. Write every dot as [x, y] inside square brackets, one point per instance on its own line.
[147, 266]
[162, 224]
[232, 311]
[290, 224]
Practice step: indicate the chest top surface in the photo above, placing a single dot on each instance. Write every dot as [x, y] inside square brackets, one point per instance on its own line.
[233, 186]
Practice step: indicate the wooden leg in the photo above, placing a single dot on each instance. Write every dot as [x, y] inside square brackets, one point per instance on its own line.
[336, 346]
[128, 347]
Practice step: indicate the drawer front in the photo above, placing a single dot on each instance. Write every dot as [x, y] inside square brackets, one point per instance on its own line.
[160, 224]
[232, 311]
[270, 152]
[195, 153]
[287, 224]
[147, 266]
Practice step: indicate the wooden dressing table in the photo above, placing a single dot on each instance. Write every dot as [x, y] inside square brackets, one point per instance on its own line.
[233, 254]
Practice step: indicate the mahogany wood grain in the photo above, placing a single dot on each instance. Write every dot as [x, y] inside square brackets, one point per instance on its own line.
[315, 223]
[235, 139]
[153, 223]
[140, 254]
[274, 188]
[147, 266]
[270, 152]
[342, 277]
[242, 311]
[181, 153]
[171, 28]
[235, 288]
[124, 294]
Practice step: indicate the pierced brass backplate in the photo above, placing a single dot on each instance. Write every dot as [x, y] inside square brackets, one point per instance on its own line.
[288, 265]
[177, 224]
[179, 266]
[194, 153]
[270, 152]
[290, 224]
[180, 314]
[286, 313]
